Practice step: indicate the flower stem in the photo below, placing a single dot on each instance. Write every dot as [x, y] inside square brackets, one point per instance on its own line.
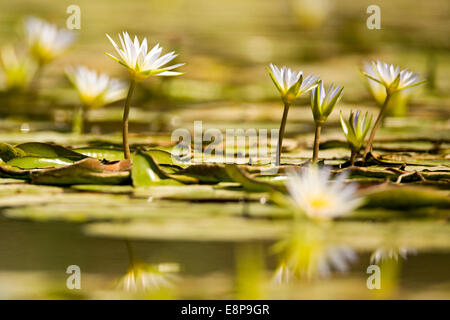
[35, 82]
[78, 120]
[281, 133]
[376, 125]
[316, 143]
[353, 157]
[126, 112]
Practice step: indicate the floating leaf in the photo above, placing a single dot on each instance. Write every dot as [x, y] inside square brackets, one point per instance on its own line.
[14, 173]
[146, 172]
[206, 173]
[47, 150]
[86, 171]
[251, 184]
[8, 152]
[406, 197]
[102, 153]
[37, 162]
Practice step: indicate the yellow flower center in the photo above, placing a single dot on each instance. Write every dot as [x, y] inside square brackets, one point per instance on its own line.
[318, 202]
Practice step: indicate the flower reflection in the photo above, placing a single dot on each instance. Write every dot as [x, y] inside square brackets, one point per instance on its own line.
[392, 253]
[146, 277]
[306, 256]
[142, 276]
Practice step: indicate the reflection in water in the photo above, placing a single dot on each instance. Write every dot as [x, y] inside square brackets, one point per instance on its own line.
[142, 276]
[304, 255]
[387, 258]
[250, 271]
[382, 254]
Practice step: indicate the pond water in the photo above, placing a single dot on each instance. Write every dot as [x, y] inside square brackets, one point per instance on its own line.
[34, 266]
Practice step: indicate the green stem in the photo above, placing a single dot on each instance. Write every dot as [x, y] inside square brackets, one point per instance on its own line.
[316, 143]
[353, 157]
[126, 112]
[36, 80]
[281, 132]
[78, 120]
[376, 125]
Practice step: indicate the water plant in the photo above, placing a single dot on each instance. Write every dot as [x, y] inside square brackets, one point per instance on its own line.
[141, 64]
[95, 91]
[18, 70]
[45, 42]
[355, 130]
[394, 80]
[322, 104]
[291, 85]
[317, 197]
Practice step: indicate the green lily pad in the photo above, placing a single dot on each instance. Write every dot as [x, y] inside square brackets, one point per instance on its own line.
[102, 153]
[86, 171]
[406, 197]
[37, 162]
[8, 152]
[252, 184]
[47, 150]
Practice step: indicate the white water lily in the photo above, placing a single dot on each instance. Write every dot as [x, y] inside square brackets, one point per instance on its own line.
[142, 277]
[356, 128]
[142, 63]
[318, 197]
[290, 83]
[391, 77]
[45, 40]
[96, 89]
[17, 70]
[399, 101]
[323, 101]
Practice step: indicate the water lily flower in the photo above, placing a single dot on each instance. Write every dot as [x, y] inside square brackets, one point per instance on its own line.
[322, 104]
[17, 70]
[355, 130]
[393, 80]
[141, 63]
[291, 85]
[391, 77]
[45, 40]
[399, 101]
[95, 90]
[318, 197]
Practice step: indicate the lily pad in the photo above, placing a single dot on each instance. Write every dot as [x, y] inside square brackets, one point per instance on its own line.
[47, 150]
[86, 171]
[37, 162]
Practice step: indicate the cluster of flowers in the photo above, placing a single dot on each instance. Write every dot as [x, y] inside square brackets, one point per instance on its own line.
[311, 190]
